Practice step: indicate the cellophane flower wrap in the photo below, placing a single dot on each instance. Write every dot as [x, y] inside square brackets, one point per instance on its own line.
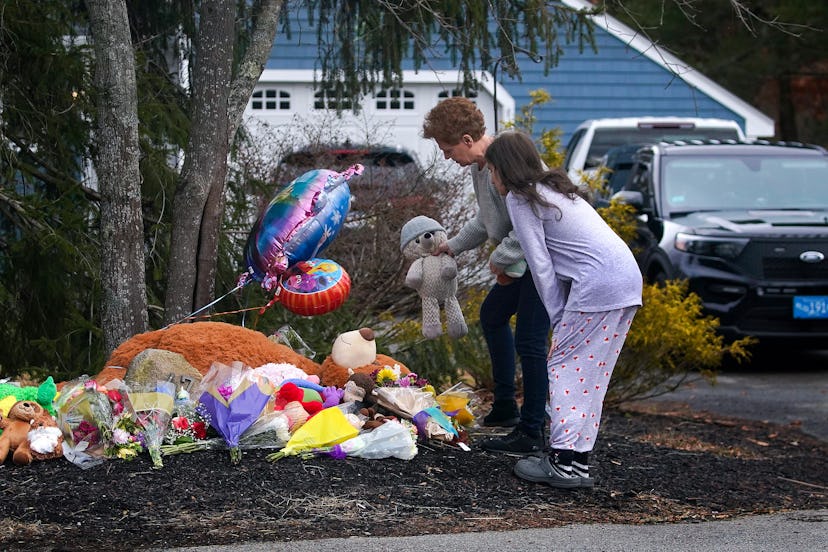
[84, 416]
[234, 397]
[393, 439]
[324, 429]
[126, 442]
[270, 430]
[153, 406]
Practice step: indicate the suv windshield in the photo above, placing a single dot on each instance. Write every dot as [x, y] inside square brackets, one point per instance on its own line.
[607, 138]
[700, 183]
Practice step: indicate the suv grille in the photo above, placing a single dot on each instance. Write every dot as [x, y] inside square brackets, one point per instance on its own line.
[793, 269]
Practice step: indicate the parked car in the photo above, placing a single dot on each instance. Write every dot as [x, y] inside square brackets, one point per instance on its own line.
[746, 224]
[593, 138]
[618, 163]
[390, 174]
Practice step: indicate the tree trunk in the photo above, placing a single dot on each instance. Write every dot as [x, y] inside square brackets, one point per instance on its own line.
[124, 312]
[205, 162]
[250, 69]
[786, 127]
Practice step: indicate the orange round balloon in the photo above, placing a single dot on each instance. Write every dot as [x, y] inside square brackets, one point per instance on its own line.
[313, 287]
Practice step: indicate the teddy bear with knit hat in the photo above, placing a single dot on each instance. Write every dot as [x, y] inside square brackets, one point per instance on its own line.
[433, 276]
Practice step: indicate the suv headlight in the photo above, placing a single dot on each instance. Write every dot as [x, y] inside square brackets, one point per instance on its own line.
[726, 248]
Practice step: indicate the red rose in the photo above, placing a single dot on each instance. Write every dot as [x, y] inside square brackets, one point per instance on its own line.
[114, 395]
[181, 423]
[200, 430]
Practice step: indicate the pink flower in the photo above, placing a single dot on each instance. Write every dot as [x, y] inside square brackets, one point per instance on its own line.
[114, 395]
[225, 391]
[86, 431]
[120, 436]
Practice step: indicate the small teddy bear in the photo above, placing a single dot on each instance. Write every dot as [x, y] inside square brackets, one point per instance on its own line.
[354, 352]
[433, 276]
[29, 433]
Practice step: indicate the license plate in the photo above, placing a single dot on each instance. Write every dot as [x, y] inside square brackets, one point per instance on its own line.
[810, 306]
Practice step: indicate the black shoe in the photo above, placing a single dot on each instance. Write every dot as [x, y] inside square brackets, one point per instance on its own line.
[502, 414]
[517, 442]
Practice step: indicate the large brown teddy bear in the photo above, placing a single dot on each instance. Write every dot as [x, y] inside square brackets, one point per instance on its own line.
[25, 417]
[354, 352]
[201, 344]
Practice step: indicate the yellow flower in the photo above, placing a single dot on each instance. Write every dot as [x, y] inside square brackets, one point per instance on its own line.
[386, 375]
[430, 389]
[126, 453]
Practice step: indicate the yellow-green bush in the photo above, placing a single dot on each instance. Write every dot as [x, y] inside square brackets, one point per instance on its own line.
[670, 338]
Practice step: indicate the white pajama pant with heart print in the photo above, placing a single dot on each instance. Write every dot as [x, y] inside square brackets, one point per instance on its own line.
[586, 348]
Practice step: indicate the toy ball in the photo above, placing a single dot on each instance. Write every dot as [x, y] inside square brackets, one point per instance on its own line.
[298, 223]
[314, 287]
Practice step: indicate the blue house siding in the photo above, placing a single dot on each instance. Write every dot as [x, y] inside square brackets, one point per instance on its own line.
[616, 81]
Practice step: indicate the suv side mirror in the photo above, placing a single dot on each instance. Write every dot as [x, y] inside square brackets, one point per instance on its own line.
[636, 199]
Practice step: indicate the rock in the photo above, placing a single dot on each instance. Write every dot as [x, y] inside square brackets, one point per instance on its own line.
[152, 365]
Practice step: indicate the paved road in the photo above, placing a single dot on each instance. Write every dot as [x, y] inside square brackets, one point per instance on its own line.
[805, 531]
[789, 389]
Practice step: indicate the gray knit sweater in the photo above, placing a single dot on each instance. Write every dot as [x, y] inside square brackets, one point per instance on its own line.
[490, 223]
[577, 261]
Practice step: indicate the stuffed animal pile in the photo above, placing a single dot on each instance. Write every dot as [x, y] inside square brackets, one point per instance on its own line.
[298, 390]
[203, 343]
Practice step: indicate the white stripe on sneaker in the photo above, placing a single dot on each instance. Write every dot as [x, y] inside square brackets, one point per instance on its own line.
[581, 470]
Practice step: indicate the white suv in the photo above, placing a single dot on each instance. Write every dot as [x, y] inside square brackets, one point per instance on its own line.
[593, 138]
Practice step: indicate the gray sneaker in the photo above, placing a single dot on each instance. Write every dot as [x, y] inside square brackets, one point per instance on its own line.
[581, 470]
[548, 471]
[586, 482]
[517, 442]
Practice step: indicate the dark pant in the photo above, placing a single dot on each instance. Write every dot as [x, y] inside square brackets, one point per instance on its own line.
[529, 342]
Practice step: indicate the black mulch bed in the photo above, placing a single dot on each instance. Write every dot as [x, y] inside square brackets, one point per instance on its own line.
[651, 467]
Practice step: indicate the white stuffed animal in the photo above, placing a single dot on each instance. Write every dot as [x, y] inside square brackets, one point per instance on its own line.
[433, 276]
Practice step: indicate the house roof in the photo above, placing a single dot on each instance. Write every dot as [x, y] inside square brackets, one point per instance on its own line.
[756, 122]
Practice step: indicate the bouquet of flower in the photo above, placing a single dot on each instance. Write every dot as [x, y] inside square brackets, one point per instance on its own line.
[270, 430]
[234, 397]
[394, 438]
[325, 429]
[187, 431]
[84, 416]
[456, 401]
[126, 442]
[189, 424]
[391, 376]
[153, 410]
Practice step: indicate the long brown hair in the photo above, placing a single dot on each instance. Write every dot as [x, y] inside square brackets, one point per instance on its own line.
[517, 161]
